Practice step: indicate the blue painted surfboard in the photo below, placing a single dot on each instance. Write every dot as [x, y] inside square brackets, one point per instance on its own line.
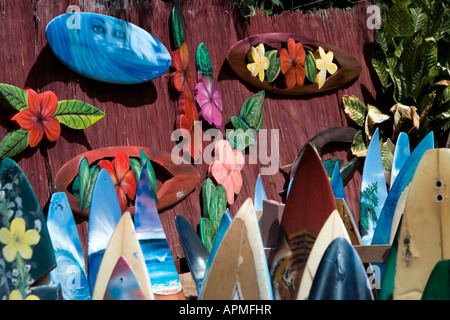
[336, 183]
[107, 49]
[70, 271]
[383, 231]
[104, 215]
[123, 283]
[260, 194]
[373, 190]
[196, 253]
[340, 275]
[401, 154]
[150, 233]
[223, 227]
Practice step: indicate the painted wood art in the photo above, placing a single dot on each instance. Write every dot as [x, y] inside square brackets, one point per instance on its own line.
[214, 199]
[103, 218]
[123, 283]
[239, 269]
[437, 287]
[340, 275]
[70, 272]
[332, 229]
[26, 254]
[423, 239]
[152, 239]
[196, 253]
[123, 243]
[373, 190]
[310, 203]
[249, 59]
[107, 49]
[383, 230]
[207, 95]
[38, 115]
[247, 123]
[401, 154]
[182, 177]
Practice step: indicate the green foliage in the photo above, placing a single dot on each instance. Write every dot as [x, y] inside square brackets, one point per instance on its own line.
[13, 143]
[369, 201]
[137, 165]
[87, 177]
[248, 8]
[412, 61]
[77, 114]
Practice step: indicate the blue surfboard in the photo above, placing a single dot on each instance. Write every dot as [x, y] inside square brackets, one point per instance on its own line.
[340, 275]
[107, 49]
[373, 190]
[383, 231]
[196, 253]
[103, 218]
[337, 184]
[70, 271]
[260, 194]
[401, 154]
[150, 233]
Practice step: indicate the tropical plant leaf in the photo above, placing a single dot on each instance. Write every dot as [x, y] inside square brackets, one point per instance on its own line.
[87, 177]
[207, 190]
[13, 98]
[419, 15]
[274, 66]
[374, 116]
[13, 143]
[310, 66]
[400, 21]
[412, 61]
[354, 109]
[252, 110]
[177, 27]
[358, 146]
[77, 114]
[380, 66]
[203, 61]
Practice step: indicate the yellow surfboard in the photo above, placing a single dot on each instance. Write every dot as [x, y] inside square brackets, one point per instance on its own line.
[123, 243]
[424, 236]
[333, 228]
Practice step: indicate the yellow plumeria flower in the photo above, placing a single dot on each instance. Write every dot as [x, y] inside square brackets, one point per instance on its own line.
[17, 240]
[260, 62]
[324, 63]
[16, 295]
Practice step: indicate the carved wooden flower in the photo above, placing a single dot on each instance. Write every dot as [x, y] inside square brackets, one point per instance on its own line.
[123, 177]
[325, 64]
[258, 62]
[208, 97]
[182, 78]
[226, 169]
[292, 63]
[38, 117]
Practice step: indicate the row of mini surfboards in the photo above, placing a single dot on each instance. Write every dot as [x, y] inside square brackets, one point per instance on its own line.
[127, 260]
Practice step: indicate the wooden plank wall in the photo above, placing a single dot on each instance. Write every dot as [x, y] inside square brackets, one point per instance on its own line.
[144, 115]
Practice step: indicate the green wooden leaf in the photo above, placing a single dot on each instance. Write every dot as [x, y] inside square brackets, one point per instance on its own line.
[330, 164]
[238, 123]
[252, 110]
[241, 138]
[177, 27]
[13, 143]
[203, 61]
[151, 173]
[400, 21]
[358, 146]
[87, 177]
[13, 98]
[274, 68]
[207, 190]
[217, 204]
[354, 109]
[310, 66]
[207, 233]
[77, 114]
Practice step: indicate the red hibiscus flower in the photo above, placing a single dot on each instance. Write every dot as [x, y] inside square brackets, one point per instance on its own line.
[123, 177]
[189, 121]
[38, 117]
[292, 61]
[182, 78]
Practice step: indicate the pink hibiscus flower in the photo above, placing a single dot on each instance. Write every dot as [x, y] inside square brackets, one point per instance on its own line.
[209, 100]
[226, 169]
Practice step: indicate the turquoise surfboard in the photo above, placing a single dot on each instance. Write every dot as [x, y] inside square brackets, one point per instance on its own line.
[103, 218]
[107, 49]
[337, 184]
[373, 190]
[150, 233]
[70, 271]
[260, 194]
[383, 231]
[401, 154]
[341, 275]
